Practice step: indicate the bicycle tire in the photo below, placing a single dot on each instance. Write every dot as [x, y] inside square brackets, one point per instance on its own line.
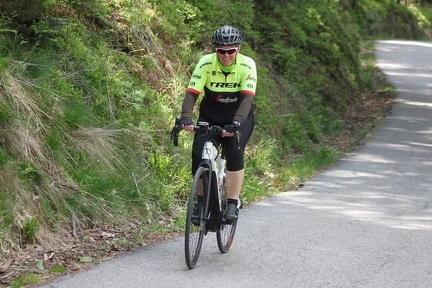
[194, 232]
[225, 235]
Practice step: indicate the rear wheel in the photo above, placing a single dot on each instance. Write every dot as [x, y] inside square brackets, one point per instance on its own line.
[195, 219]
[225, 236]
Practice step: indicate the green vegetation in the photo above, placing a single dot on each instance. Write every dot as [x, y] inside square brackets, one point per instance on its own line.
[89, 91]
[25, 279]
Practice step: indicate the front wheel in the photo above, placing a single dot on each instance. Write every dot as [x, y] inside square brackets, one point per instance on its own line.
[195, 227]
[225, 236]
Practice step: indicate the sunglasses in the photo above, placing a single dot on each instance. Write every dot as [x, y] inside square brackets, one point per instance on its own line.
[229, 51]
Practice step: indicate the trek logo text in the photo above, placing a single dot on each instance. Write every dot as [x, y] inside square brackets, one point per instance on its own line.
[224, 85]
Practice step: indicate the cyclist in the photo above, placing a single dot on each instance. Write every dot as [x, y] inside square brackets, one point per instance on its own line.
[228, 81]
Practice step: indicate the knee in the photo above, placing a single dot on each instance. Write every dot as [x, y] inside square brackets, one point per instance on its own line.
[235, 162]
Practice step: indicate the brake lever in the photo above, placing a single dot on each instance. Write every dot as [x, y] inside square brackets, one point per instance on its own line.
[237, 136]
[175, 132]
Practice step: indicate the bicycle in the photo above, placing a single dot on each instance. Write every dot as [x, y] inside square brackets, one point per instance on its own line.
[208, 196]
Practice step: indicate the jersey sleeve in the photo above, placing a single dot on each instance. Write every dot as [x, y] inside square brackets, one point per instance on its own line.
[249, 74]
[199, 76]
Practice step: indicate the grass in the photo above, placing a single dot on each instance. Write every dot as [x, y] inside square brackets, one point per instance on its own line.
[30, 229]
[25, 279]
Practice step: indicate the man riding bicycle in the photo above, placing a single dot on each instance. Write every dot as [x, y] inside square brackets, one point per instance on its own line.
[228, 80]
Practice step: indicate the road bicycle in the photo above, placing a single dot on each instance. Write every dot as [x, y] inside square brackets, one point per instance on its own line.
[207, 196]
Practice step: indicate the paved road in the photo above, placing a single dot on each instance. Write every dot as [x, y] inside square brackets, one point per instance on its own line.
[366, 222]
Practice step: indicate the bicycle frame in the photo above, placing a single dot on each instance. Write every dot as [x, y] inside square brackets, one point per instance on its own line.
[216, 165]
[212, 160]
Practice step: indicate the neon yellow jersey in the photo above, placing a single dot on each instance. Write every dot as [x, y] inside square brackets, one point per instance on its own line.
[224, 87]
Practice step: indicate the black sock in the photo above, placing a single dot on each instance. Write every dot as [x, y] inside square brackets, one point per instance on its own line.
[232, 201]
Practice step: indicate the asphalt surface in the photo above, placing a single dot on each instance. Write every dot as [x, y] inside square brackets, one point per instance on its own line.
[365, 222]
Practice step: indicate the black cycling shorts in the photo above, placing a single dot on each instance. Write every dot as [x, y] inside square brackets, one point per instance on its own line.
[234, 156]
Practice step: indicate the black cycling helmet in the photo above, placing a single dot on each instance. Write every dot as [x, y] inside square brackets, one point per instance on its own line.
[226, 36]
